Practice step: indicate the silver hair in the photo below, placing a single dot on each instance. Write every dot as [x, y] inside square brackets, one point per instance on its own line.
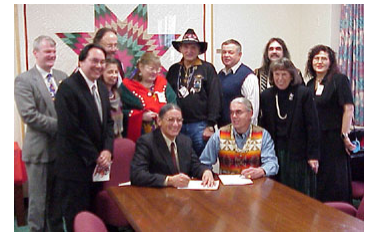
[248, 105]
[38, 40]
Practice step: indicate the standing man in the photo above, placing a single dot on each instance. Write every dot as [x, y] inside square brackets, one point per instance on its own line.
[237, 80]
[34, 93]
[198, 90]
[164, 157]
[241, 147]
[275, 49]
[85, 137]
[107, 38]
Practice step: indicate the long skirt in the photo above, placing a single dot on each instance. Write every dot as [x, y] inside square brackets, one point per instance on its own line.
[296, 174]
[334, 176]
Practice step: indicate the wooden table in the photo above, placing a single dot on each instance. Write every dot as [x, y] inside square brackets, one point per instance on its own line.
[264, 206]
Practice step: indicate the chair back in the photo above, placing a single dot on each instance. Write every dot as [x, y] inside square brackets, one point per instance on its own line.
[360, 210]
[88, 222]
[123, 152]
[344, 207]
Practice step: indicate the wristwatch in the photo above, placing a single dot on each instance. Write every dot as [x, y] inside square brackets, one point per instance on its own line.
[344, 135]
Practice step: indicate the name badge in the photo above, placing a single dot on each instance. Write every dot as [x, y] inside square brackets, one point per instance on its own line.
[161, 97]
[319, 89]
[183, 92]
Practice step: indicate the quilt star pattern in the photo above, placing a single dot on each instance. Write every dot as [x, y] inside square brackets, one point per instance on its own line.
[133, 38]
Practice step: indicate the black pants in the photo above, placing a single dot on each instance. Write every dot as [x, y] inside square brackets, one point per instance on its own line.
[68, 199]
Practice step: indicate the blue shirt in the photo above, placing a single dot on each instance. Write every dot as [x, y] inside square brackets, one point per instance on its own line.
[268, 158]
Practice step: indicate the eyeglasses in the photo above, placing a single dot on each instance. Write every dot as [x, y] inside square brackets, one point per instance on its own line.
[173, 120]
[153, 69]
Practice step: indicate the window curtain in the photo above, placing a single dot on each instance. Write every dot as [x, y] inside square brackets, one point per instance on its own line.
[351, 54]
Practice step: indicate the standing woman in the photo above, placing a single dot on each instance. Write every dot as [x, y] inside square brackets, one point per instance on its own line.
[289, 114]
[143, 97]
[334, 104]
[110, 79]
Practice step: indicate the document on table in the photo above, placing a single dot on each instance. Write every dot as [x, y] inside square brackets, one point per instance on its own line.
[125, 184]
[234, 179]
[197, 185]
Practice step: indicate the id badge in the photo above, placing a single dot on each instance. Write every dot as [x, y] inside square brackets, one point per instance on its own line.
[183, 92]
[319, 89]
[161, 97]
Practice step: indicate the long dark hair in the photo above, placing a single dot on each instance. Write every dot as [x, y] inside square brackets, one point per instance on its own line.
[266, 61]
[333, 68]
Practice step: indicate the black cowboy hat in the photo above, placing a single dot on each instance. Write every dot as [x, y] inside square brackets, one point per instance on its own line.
[190, 37]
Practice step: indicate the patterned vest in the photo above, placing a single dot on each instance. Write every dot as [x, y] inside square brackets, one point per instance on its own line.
[232, 159]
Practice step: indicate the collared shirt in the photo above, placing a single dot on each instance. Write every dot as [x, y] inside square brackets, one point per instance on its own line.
[168, 143]
[196, 62]
[44, 75]
[249, 90]
[89, 83]
[268, 157]
[233, 69]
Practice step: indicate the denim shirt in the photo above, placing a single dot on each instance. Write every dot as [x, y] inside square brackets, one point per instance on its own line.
[268, 157]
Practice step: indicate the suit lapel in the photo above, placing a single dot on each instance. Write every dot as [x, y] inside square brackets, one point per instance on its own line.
[163, 150]
[84, 89]
[45, 94]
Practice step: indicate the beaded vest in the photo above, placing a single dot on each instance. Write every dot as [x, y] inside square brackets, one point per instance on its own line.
[232, 159]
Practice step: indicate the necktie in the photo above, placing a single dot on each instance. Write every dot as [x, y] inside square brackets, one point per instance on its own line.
[97, 102]
[51, 86]
[173, 156]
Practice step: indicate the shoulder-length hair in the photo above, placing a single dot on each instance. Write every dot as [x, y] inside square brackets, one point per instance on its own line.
[266, 61]
[333, 68]
[145, 59]
[108, 61]
[285, 64]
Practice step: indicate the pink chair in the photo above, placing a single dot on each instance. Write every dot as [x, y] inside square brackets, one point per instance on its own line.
[360, 210]
[348, 208]
[105, 207]
[357, 189]
[88, 222]
[344, 207]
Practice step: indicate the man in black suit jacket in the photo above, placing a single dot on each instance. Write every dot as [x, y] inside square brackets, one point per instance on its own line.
[85, 137]
[158, 163]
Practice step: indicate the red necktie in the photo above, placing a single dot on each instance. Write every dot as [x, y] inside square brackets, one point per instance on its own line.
[173, 156]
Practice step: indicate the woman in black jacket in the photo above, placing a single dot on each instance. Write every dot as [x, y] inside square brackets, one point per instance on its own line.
[289, 114]
[334, 103]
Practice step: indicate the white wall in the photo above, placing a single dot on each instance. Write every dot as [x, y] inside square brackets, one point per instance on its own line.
[301, 26]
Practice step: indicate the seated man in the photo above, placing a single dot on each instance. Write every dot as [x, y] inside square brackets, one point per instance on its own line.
[242, 148]
[166, 158]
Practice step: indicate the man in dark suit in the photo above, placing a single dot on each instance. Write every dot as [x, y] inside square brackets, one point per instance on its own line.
[34, 93]
[166, 158]
[85, 137]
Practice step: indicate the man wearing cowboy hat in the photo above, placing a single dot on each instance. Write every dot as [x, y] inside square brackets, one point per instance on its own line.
[198, 90]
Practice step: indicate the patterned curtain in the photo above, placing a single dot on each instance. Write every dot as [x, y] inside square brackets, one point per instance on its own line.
[351, 54]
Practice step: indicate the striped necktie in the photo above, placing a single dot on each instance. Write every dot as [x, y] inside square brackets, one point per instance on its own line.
[97, 101]
[51, 86]
[173, 156]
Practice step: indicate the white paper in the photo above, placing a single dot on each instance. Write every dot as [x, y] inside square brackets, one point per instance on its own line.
[125, 184]
[234, 179]
[197, 185]
[100, 175]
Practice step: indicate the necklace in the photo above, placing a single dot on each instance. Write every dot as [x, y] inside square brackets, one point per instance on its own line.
[278, 109]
